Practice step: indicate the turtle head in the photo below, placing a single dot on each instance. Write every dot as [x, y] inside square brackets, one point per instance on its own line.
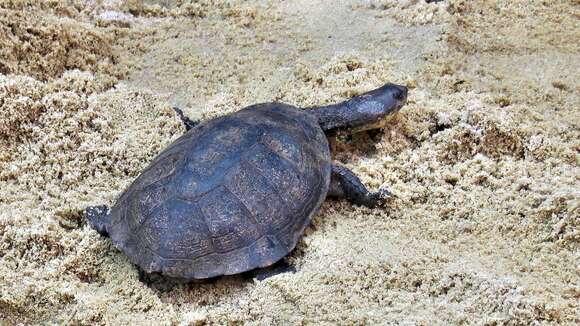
[378, 105]
[366, 111]
[391, 97]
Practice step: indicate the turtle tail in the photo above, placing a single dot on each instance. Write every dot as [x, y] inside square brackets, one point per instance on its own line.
[98, 217]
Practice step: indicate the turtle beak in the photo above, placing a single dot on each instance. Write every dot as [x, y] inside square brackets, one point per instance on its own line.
[400, 95]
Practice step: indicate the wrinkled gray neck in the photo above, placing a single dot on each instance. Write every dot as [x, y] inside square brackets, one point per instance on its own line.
[365, 109]
[349, 114]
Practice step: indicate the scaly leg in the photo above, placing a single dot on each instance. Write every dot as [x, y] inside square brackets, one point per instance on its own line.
[345, 184]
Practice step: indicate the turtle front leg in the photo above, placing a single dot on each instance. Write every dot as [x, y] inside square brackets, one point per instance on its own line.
[345, 184]
[99, 218]
[187, 122]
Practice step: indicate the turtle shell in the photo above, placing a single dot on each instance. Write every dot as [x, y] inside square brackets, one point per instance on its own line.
[232, 194]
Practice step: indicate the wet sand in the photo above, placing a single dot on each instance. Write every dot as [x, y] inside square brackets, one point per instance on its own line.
[483, 161]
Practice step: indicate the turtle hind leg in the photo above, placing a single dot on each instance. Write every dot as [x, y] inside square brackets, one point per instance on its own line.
[158, 281]
[162, 283]
[261, 274]
[99, 218]
[345, 184]
[187, 122]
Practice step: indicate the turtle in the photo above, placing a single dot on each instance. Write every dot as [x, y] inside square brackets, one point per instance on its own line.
[236, 193]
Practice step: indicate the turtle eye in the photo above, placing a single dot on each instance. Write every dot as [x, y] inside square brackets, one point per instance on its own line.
[400, 93]
[397, 95]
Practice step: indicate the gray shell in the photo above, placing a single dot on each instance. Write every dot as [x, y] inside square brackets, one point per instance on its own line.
[232, 194]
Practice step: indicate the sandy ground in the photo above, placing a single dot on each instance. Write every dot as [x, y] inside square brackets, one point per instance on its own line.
[484, 227]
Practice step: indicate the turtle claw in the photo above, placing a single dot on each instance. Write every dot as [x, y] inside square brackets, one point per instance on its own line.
[379, 198]
[384, 194]
[187, 122]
